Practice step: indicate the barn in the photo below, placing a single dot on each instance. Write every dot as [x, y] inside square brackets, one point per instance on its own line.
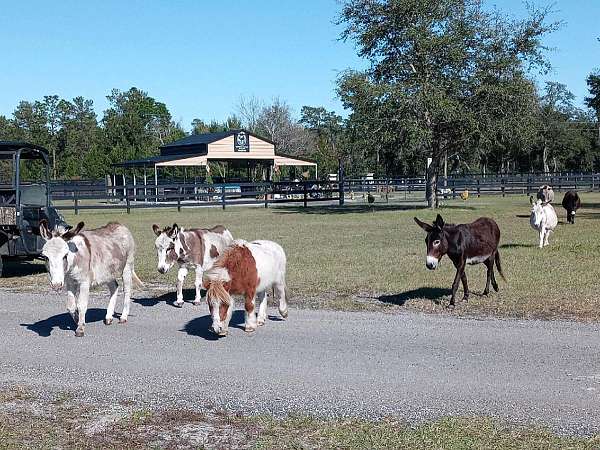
[230, 155]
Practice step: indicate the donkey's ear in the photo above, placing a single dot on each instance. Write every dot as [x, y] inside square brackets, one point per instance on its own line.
[439, 222]
[44, 231]
[424, 225]
[174, 231]
[73, 232]
[156, 229]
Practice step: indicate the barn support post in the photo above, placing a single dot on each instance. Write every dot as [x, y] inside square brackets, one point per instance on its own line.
[145, 184]
[134, 187]
[155, 183]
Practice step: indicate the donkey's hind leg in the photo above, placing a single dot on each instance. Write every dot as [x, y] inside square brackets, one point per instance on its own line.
[281, 293]
[127, 283]
[262, 309]
[489, 264]
[113, 287]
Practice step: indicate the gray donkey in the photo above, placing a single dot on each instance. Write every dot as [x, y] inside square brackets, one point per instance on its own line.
[78, 260]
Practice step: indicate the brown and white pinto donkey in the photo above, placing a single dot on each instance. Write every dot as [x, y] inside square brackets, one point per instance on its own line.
[248, 269]
[471, 243]
[196, 248]
[79, 260]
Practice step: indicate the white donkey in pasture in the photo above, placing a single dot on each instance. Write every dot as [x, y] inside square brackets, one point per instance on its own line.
[196, 248]
[543, 219]
[79, 260]
[250, 269]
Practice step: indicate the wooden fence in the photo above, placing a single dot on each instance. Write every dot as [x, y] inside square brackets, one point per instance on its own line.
[100, 196]
[97, 195]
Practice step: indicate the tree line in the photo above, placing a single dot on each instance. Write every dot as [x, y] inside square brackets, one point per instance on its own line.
[450, 81]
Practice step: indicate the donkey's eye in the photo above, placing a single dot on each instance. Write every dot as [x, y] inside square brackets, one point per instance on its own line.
[436, 242]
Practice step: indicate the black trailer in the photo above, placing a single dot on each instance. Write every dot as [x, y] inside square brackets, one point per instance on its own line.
[24, 200]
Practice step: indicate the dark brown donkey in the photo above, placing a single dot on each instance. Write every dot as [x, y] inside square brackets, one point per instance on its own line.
[470, 243]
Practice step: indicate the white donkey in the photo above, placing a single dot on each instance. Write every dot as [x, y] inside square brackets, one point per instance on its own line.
[79, 260]
[543, 219]
[196, 248]
[248, 269]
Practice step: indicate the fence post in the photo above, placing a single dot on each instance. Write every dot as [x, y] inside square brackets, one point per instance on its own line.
[127, 202]
[179, 199]
[502, 187]
[267, 195]
[75, 196]
[478, 189]
[223, 196]
[305, 189]
[341, 183]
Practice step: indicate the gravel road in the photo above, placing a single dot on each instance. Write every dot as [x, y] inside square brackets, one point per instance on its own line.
[325, 363]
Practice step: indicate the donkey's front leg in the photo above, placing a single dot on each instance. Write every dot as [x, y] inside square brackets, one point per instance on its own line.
[542, 234]
[198, 285]
[82, 304]
[72, 293]
[249, 303]
[460, 267]
[181, 274]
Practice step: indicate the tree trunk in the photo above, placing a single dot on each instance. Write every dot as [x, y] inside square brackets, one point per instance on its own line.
[545, 158]
[431, 186]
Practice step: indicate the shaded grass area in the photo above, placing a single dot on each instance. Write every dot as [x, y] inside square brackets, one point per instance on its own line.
[372, 257]
[63, 422]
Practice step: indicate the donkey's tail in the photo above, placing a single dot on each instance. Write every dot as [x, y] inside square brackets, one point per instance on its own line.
[136, 281]
[499, 266]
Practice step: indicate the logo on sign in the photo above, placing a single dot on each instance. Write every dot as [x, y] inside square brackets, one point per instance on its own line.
[241, 142]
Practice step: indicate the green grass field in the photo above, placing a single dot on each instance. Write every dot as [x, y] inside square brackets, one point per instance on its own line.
[360, 257]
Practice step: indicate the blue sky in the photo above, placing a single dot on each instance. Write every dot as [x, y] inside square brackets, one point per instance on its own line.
[199, 56]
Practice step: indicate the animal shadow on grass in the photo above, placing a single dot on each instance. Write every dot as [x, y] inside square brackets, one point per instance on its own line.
[63, 321]
[169, 298]
[427, 293]
[199, 326]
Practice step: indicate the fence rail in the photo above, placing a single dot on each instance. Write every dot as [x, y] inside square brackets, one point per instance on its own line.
[129, 196]
[78, 196]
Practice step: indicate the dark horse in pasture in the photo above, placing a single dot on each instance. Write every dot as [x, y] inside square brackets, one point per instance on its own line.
[571, 203]
[470, 243]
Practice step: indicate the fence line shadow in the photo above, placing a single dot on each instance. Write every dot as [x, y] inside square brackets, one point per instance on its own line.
[517, 245]
[63, 321]
[16, 269]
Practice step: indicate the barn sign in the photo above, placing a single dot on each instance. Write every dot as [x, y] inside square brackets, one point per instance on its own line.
[241, 142]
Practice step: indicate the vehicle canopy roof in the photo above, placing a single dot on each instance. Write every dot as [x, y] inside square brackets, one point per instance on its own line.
[27, 150]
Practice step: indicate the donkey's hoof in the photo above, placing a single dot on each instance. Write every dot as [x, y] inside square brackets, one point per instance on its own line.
[123, 321]
[450, 307]
[248, 329]
[284, 314]
[108, 321]
[260, 323]
[78, 333]
[196, 302]
[178, 304]
[222, 333]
